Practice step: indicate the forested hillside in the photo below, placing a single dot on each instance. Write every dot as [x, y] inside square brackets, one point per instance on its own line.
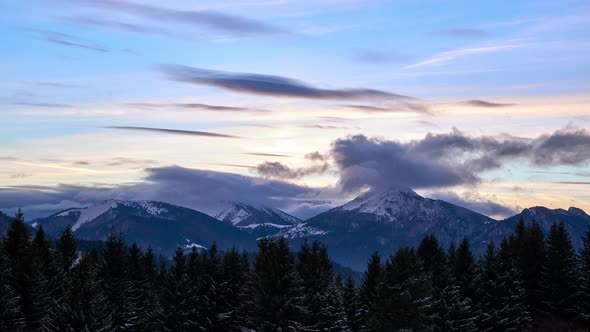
[528, 281]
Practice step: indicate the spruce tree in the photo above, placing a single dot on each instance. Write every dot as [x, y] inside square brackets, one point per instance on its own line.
[403, 295]
[275, 290]
[429, 250]
[11, 315]
[559, 277]
[368, 288]
[66, 248]
[584, 308]
[531, 261]
[324, 308]
[18, 251]
[352, 305]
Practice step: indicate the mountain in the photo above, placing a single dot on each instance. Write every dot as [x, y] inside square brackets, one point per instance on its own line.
[256, 220]
[148, 223]
[385, 221]
[576, 221]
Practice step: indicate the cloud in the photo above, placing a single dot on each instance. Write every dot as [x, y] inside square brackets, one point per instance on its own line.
[171, 131]
[316, 156]
[267, 154]
[476, 202]
[377, 57]
[68, 40]
[216, 21]
[119, 25]
[281, 171]
[449, 159]
[567, 146]
[268, 85]
[199, 106]
[35, 104]
[399, 107]
[448, 56]
[20, 175]
[193, 188]
[460, 32]
[316, 126]
[483, 103]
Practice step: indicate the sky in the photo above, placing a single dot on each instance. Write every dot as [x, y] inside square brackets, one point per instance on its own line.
[294, 104]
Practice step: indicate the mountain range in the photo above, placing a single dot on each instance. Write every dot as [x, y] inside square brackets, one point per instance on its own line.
[375, 221]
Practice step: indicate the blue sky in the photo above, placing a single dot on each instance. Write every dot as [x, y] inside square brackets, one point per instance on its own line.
[77, 74]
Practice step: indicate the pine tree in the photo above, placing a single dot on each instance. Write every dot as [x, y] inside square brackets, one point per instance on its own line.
[559, 278]
[530, 260]
[41, 249]
[368, 288]
[465, 270]
[91, 310]
[324, 309]
[114, 274]
[234, 278]
[275, 290]
[429, 250]
[17, 248]
[179, 298]
[450, 311]
[66, 248]
[52, 297]
[403, 295]
[11, 316]
[584, 309]
[352, 305]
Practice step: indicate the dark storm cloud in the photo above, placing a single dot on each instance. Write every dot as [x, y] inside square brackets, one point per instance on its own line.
[200, 106]
[279, 170]
[234, 25]
[483, 103]
[442, 160]
[459, 32]
[192, 188]
[268, 85]
[67, 40]
[171, 131]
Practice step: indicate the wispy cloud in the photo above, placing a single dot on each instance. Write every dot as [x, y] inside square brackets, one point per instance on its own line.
[489, 104]
[269, 85]
[217, 21]
[267, 154]
[67, 40]
[200, 106]
[171, 131]
[399, 107]
[114, 24]
[379, 57]
[449, 56]
[459, 32]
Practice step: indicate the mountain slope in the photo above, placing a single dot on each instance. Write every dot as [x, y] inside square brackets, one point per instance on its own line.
[159, 225]
[256, 220]
[387, 220]
[576, 222]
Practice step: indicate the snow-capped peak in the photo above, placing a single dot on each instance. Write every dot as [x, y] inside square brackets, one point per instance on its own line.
[251, 216]
[381, 203]
[92, 212]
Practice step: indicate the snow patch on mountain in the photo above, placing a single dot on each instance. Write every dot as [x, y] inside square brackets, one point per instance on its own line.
[92, 212]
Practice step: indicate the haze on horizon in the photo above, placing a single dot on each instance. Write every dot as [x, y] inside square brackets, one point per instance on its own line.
[299, 105]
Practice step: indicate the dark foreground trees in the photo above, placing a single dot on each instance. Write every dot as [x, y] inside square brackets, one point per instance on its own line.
[526, 282]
